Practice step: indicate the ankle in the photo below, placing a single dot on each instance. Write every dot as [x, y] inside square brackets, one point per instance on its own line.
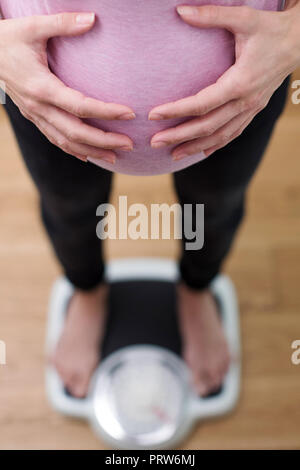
[99, 291]
[189, 293]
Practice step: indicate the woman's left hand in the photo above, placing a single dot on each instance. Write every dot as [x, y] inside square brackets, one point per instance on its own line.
[267, 51]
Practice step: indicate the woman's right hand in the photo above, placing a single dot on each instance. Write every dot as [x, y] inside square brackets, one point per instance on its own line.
[54, 108]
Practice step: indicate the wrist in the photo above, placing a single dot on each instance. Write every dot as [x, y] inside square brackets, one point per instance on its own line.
[293, 34]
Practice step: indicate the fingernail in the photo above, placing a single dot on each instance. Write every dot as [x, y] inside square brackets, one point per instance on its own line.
[187, 11]
[85, 18]
[158, 144]
[127, 116]
[126, 148]
[180, 156]
[155, 117]
[111, 160]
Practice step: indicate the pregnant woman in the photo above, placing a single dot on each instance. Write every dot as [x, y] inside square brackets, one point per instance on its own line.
[144, 88]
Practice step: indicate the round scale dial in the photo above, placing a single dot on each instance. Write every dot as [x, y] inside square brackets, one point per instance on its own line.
[140, 395]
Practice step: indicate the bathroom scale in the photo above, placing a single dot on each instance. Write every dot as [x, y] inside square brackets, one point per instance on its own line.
[141, 395]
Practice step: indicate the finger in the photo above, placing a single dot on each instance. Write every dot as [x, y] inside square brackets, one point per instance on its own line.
[202, 103]
[77, 131]
[235, 19]
[220, 138]
[55, 92]
[208, 152]
[77, 150]
[44, 27]
[199, 127]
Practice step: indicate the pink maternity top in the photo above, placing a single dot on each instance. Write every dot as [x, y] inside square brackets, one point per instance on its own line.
[141, 54]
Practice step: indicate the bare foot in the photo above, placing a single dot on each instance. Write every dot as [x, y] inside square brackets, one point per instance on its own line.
[205, 348]
[77, 352]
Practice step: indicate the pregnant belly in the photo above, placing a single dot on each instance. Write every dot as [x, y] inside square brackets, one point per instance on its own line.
[140, 54]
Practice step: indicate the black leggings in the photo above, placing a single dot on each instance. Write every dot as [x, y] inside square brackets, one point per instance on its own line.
[70, 191]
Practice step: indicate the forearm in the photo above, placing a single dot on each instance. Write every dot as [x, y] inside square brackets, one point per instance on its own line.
[292, 32]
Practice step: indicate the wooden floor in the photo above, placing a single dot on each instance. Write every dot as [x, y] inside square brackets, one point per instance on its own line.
[265, 265]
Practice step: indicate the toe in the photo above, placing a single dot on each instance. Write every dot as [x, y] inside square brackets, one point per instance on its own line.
[202, 381]
[207, 382]
[77, 386]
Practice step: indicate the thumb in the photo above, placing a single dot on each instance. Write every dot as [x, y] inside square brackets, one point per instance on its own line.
[234, 19]
[62, 24]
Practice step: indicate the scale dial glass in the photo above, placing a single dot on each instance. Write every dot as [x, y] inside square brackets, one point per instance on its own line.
[140, 395]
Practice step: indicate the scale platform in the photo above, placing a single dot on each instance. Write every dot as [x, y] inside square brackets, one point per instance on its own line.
[141, 397]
